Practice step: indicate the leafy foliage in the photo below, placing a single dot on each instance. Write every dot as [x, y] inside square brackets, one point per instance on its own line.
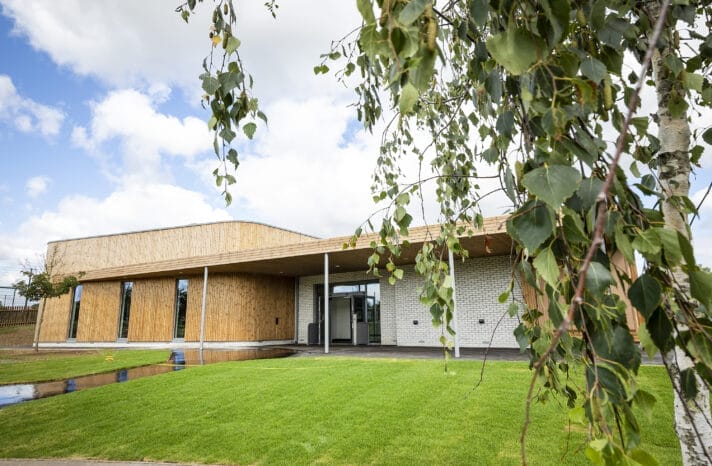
[42, 285]
[531, 90]
[228, 90]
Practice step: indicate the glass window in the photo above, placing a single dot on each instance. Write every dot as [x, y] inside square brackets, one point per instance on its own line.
[181, 306]
[74, 315]
[125, 309]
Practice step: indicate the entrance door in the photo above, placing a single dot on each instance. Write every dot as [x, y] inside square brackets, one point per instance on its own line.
[340, 319]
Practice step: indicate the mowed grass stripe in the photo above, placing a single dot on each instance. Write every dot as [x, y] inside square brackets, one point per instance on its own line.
[316, 410]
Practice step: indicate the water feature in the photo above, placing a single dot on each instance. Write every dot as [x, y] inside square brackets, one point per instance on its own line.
[179, 360]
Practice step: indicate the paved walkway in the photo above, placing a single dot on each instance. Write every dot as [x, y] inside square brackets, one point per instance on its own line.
[477, 354]
[397, 352]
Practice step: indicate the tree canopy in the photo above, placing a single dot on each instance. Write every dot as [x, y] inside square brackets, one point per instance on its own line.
[546, 94]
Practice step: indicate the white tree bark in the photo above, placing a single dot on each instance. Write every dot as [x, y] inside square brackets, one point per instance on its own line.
[692, 416]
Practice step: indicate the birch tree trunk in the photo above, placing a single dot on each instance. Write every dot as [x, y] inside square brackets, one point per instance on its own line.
[692, 422]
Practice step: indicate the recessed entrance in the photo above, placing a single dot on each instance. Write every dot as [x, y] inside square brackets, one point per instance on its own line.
[354, 313]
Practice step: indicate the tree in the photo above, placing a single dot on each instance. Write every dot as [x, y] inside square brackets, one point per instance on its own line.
[532, 90]
[43, 285]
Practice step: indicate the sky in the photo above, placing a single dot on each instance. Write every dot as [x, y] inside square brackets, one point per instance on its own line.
[101, 129]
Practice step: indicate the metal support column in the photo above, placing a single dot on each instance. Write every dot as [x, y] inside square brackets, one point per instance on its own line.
[455, 327]
[326, 303]
[202, 311]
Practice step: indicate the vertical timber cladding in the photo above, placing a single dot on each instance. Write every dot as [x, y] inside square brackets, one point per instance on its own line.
[194, 307]
[99, 312]
[242, 307]
[152, 310]
[55, 322]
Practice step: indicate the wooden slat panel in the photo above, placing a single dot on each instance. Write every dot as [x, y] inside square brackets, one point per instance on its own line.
[152, 309]
[242, 307]
[100, 252]
[195, 303]
[99, 312]
[55, 323]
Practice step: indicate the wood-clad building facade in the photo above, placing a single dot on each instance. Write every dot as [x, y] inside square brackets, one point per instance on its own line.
[266, 285]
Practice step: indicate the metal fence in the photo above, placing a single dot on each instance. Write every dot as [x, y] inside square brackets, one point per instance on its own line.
[10, 298]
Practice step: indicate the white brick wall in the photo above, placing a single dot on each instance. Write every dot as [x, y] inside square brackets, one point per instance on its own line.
[478, 283]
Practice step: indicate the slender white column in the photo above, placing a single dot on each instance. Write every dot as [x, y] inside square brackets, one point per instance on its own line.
[454, 302]
[202, 312]
[326, 303]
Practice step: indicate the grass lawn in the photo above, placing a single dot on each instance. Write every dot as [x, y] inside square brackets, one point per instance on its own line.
[30, 366]
[316, 410]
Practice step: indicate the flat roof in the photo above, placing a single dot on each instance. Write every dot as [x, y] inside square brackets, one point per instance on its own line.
[300, 259]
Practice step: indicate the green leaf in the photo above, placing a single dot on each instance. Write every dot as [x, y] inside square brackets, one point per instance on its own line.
[686, 249]
[249, 129]
[643, 458]
[701, 287]
[598, 278]
[645, 294]
[478, 11]
[422, 75]
[593, 69]
[365, 7]
[513, 309]
[516, 49]
[707, 136]
[646, 341]
[670, 245]
[552, 184]
[694, 81]
[398, 273]
[232, 44]
[412, 11]
[660, 330]
[688, 383]
[557, 12]
[210, 85]
[503, 297]
[545, 264]
[701, 348]
[573, 228]
[645, 401]
[408, 98]
[588, 192]
[647, 242]
[531, 225]
[577, 415]
[623, 244]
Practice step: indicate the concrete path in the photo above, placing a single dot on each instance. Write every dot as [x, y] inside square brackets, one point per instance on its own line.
[398, 352]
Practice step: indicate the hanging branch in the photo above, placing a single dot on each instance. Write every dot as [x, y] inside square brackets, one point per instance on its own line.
[600, 222]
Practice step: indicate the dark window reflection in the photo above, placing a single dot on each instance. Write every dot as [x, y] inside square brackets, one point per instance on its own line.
[181, 306]
[74, 319]
[126, 290]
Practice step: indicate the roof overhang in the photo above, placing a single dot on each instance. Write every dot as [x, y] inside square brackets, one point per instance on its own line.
[308, 258]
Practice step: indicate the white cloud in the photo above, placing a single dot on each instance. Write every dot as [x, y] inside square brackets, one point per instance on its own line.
[130, 209]
[37, 185]
[143, 134]
[25, 114]
[138, 43]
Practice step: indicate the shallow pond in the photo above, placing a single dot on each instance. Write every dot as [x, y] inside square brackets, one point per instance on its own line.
[179, 360]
